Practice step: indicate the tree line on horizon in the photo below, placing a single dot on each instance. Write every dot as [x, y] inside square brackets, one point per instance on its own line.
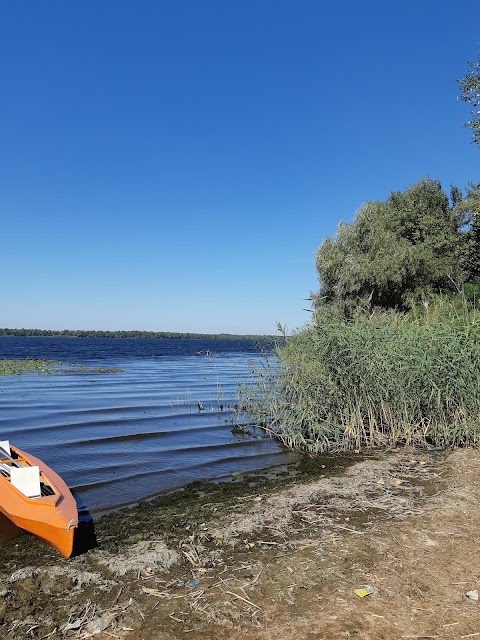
[79, 333]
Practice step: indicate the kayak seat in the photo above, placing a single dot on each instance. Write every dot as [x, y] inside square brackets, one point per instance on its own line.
[46, 490]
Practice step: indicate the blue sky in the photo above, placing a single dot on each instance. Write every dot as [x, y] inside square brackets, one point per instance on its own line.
[173, 165]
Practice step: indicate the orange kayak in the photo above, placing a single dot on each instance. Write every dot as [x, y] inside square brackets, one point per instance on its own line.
[50, 515]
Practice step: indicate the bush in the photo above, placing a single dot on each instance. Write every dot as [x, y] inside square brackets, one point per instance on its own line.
[375, 380]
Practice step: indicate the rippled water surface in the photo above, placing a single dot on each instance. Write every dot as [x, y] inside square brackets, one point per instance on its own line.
[117, 438]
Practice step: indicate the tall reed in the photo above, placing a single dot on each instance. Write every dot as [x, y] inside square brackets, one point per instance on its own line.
[374, 381]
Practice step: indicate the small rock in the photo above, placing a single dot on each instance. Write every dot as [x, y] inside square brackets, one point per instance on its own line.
[472, 595]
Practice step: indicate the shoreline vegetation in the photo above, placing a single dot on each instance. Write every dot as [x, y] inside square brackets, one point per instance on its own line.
[81, 333]
[391, 355]
[376, 380]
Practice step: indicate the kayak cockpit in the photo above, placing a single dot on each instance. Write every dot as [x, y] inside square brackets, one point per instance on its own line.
[24, 476]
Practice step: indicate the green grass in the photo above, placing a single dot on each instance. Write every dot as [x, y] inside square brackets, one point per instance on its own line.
[375, 381]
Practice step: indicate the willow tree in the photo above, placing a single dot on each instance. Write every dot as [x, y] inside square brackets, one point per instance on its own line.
[470, 239]
[394, 252]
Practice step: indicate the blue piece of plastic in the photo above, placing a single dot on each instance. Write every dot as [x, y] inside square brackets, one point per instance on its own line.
[193, 583]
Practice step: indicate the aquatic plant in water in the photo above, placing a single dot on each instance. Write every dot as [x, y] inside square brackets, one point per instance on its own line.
[19, 367]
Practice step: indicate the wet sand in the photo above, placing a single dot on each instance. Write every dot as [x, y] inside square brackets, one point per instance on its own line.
[265, 557]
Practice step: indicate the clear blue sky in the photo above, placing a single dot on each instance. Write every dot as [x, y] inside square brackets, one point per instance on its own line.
[173, 165]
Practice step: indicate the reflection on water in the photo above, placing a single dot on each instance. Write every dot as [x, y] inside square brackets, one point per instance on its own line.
[119, 438]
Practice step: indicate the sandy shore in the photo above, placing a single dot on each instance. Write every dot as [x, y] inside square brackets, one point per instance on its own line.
[279, 559]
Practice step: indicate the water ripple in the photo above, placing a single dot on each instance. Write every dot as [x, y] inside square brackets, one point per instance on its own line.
[121, 438]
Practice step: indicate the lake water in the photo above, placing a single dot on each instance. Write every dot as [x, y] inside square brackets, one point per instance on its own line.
[118, 438]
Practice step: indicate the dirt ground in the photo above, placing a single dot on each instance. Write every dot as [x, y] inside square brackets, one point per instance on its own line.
[266, 559]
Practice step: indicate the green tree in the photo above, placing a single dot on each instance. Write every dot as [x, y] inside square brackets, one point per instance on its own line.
[423, 216]
[470, 93]
[469, 207]
[394, 252]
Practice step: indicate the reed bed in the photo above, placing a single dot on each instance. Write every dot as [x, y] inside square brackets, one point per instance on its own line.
[375, 380]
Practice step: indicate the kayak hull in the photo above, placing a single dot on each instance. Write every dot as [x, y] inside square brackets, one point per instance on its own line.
[51, 518]
[8, 530]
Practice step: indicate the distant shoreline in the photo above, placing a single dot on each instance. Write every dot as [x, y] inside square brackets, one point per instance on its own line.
[80, 333]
